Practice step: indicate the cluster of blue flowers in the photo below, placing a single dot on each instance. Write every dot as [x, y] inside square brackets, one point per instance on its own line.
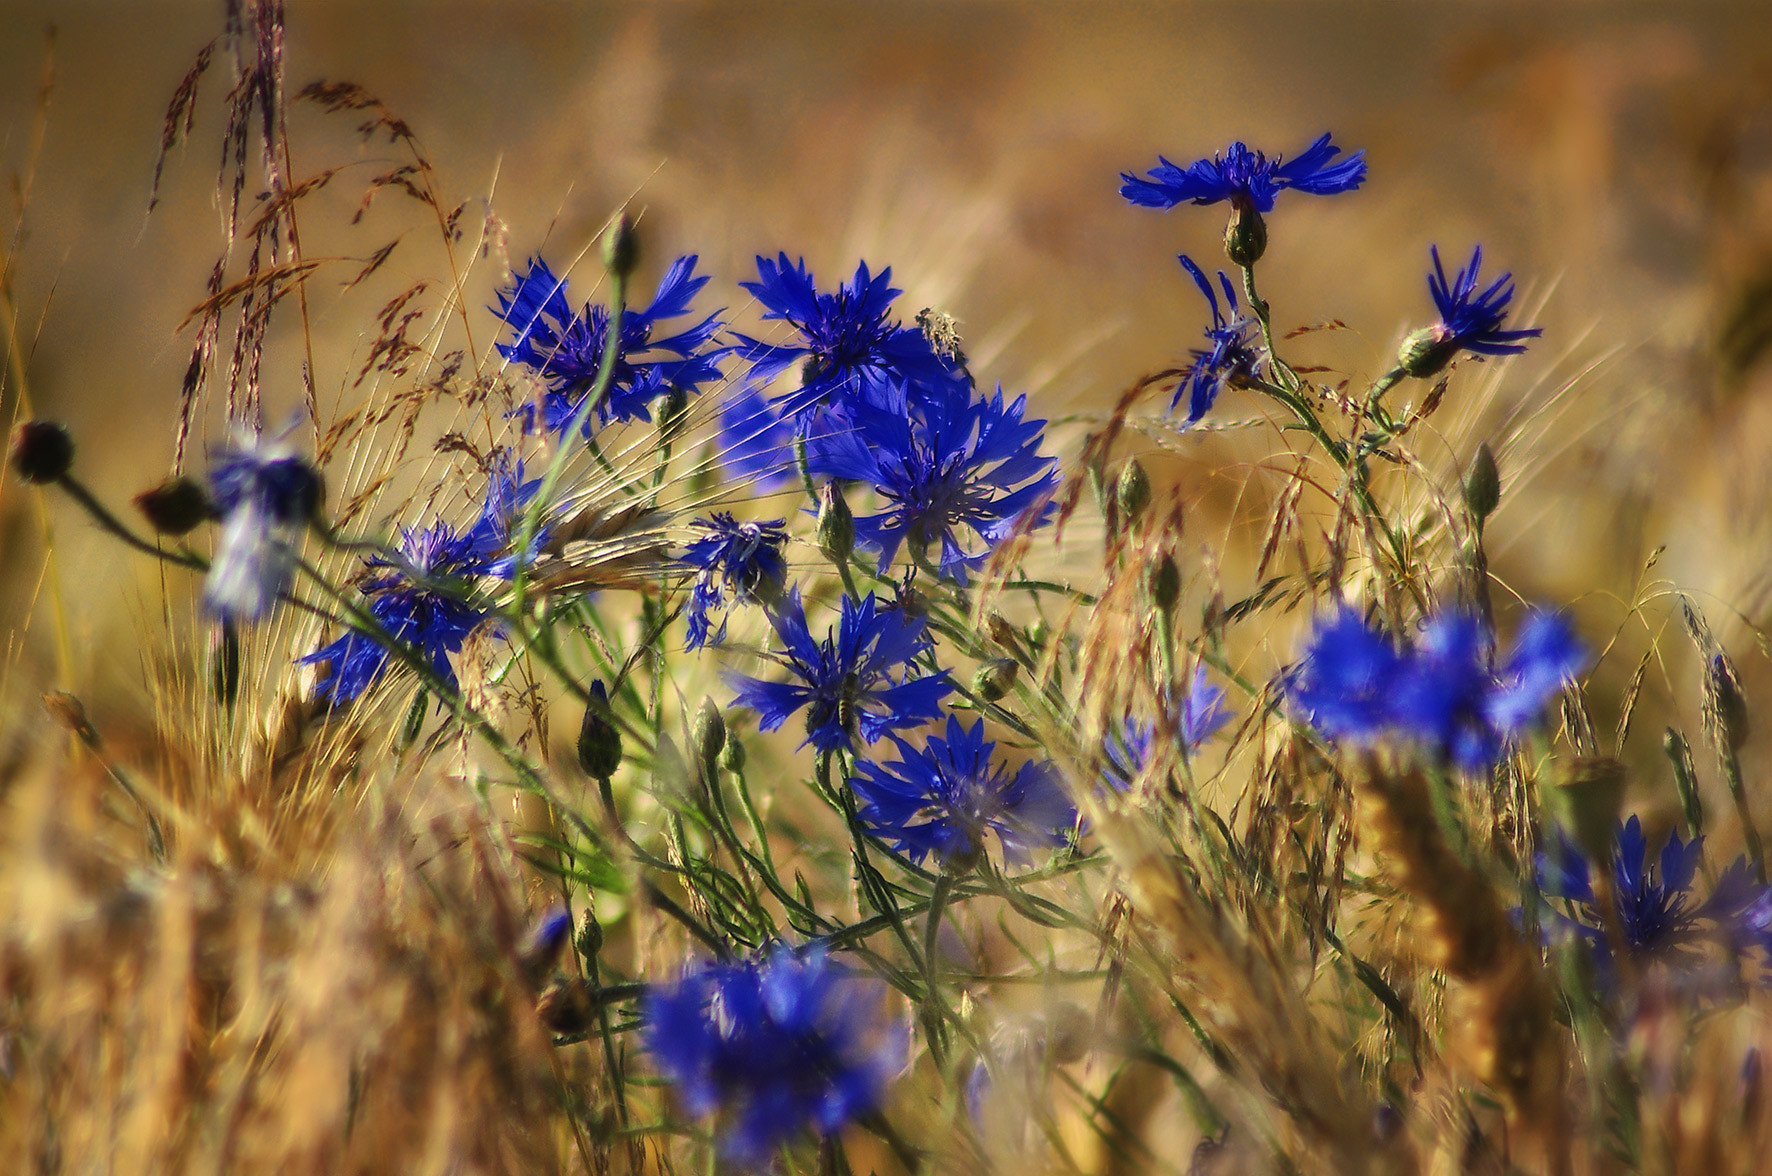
[1445, 693]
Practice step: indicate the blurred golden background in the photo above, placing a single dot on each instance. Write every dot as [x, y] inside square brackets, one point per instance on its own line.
[1617, 158]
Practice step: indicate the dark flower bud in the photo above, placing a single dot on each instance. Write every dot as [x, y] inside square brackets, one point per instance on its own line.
[590, 936]
[224, 664]
[995, 678]
[710, 735]
[42, 451]
[1165, 583]
[175, 506]
[1426, 352]
[599, 743]
[672, 413]
[567, 1006]
[1245, 236]
[621, 247]
[541, 946]
[1133, 491]
[1482, 484]
[836, 525]
[732, 756]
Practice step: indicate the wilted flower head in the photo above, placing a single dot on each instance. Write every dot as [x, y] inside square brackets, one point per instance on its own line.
[1659, 916]
[265, 494]
[1230, 353]
[1469, 321]
[955, 463]
[1246, 177]
[772, 1047]
[853, 353]
[856, 684]
[949, 795]
[744, 558]
[1443, 694]
[564, 346]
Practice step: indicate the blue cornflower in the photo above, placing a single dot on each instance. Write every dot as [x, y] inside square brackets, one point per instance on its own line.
[756, 444]
[961, 463]
[947, 796]
[1128, 751]
[1469, 321]
[847, 683]
[774, 1046]
[743, 557]
[1246, 178]
[564, 346]
[1443, 693]
[487, 544]
[1230, 354]
[265, 494]
[1658, 915]
[853, 352]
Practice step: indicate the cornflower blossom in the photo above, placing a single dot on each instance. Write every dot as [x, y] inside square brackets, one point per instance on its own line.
[265, 494]
[853, 352]
[756, 444]
[564, 346]
[1230, 354]
[961, 464]
[1469, 321]
[743, 558]
[855, 684]
[774, 1046]
[946, 797]
[1354, 685]
[423, 600]
[1128, 751]
[1246, 178]
[1659, 917]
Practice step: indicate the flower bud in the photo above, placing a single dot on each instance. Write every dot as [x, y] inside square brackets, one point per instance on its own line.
[1724, 703]
[1133, 491]
[672, 413]
[710, 735]
[836, 525]
[175, 506]
[1426, 352]
[42, 451]
[589, 940]
[732, 756]
[1245, 236]
[1482, 484]
[599, 743]
[1164, 581]
[995, 678]
[621, 247]
[567, 1006]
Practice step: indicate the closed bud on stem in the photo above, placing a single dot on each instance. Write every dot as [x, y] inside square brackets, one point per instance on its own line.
[1133, 491]
[710, 735]
[42, 451]
[732, 756]
[175, 506]
[599, 742]
[1426, 352]
[995, 678]
[621, 247]
[836, 525]
[589, 940]
[672, 413]
[1164, 581]
[1482, 485]
[1245, 236]
[566, 1006]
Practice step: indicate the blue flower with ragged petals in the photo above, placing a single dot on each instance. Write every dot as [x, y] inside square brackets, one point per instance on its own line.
[1472, 321]
[1659, 916]
[265, 494]
[946, 797]
[486, 546]
[773, 1047]
[1127, 752]
[755, 443]
[855, 685]
[564, 346]
[1443, 693]
[1246, 178]
[1230, 354]
[743, 558]
[963, 463]
[851, 351]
